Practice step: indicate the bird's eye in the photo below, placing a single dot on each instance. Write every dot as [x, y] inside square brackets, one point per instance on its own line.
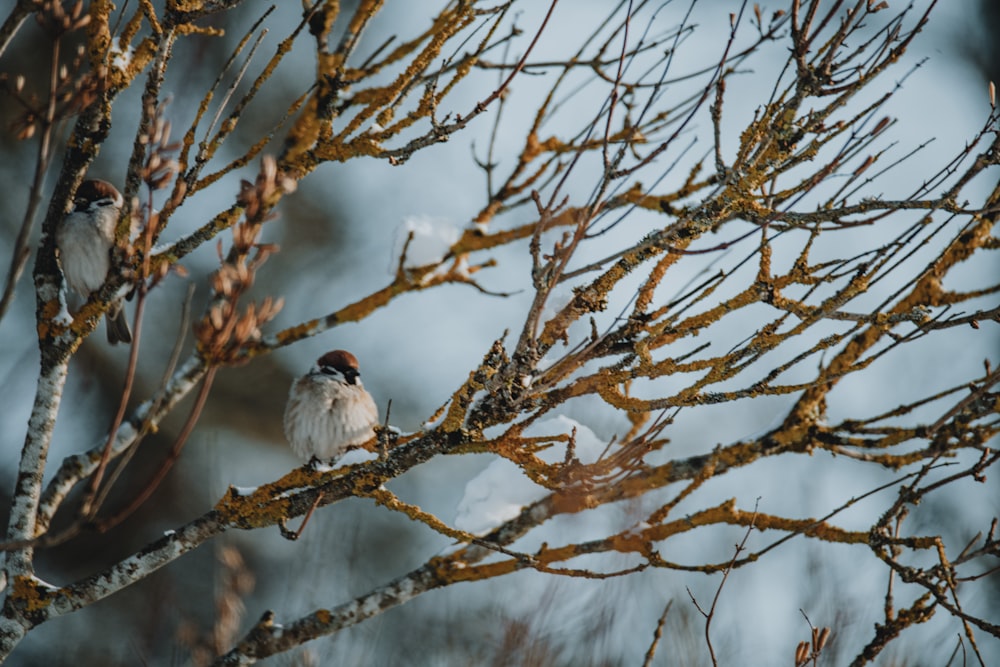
[328, 370]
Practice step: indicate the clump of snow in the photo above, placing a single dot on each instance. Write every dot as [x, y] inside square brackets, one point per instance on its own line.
[588, 445]
[356, 456]
[639, 528]
[499, 492]
[431, 424]
[432, 239]
[558, 299]
[462, 267]
[120, 59]
[353, 457]
[494, 496]
[440, 272]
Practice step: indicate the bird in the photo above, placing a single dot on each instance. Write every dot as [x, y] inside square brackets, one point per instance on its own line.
[329, 411]
[85, 237]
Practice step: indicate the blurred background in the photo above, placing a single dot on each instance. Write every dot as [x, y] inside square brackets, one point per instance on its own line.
[339, 235]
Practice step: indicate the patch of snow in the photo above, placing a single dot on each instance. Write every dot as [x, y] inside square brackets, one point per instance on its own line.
[499, 492]
[440, 271]
[639, 528]
[356, 456]
[558, 299]
[462, 267]
[432, 239]
[120, 59]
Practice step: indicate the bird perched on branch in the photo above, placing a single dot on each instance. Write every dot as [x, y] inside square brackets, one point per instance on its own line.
[329, 411]
[85, 237]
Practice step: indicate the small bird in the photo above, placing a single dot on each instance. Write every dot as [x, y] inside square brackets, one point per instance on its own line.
[85, 237]
[329, 411]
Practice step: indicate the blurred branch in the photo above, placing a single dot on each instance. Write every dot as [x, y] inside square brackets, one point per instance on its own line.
[20, 11]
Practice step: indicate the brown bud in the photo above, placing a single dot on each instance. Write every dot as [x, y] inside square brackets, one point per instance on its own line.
[801, 653]
[869, 161]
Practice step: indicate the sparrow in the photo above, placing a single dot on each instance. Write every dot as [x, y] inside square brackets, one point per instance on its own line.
[329, 411]
[85, 237]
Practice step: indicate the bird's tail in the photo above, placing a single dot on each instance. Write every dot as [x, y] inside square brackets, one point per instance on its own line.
[118, 331]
